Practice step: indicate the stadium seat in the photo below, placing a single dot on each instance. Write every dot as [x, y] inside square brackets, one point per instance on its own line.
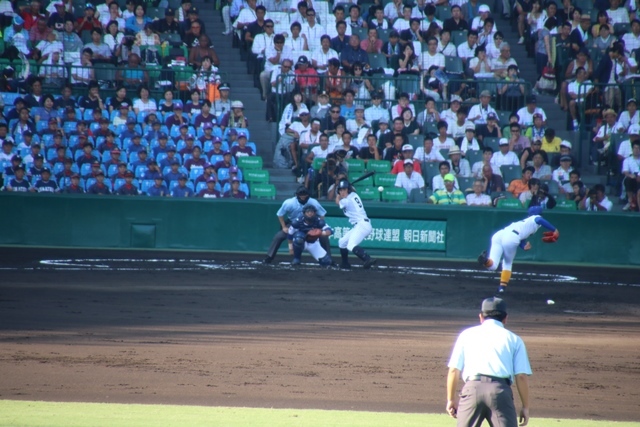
[257, 176]
[379, 166]
[368, 193]
[473, 156]
[509, 173]
[367, 182]
[419, 195]
[250, 162]
[509, 204]
[429, 170]
[355, 165]
[140, 171]
[318, 162]
[394, 195]
[491, 142]
[195, 172]
[566, 205]
[263, 191]
[387, 180]
[465, 183]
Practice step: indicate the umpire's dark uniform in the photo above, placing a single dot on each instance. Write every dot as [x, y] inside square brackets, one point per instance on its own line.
[489, 357]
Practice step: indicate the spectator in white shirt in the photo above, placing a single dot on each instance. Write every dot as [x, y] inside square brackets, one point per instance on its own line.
[82, 71]
[561, 175]
[376, 111]
[477, 198]
[478, 113]
[505, 156]
[467, 50]
[274, 55]
[629, 117]
[393, 10]
[525, 114]
[320, 57]
[437, 182]
[443, 140]
[478, 22]
[476, 168]
[409, 179]
[294, 40]
[431, 57]
[632, 40]
[501, 63]
[427, 153]
[404, 22]
[312, 31]
[263, 41]
[596, 200]
[617, 14]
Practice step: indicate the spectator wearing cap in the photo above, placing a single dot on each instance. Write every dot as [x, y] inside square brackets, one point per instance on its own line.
[127, 189]
[235, 118]
[210, 191]
[216, 150]
[565, 150]
[225, 162]
[135, 145]
[409, 179]
[100, 187]
[406, 154]
[561, 175]
[170, 158]
[114, 157]
[88, 21]
[143, 160]
[168, 25]
[306, 77]
[234, 192]
[242, 150]
[73, 186]
[208, 173]
[174, 172]
[534, 132]
[182, 190]
[459, 167]
[550, 142]
[45, 184]
[119, 172]
[479, 112]
[158, 189]
[504, 157]
[153, 172]
[449, 195]
[61, 157]
[484, 12]
[15, 162]
[177, 118]
[222, 105]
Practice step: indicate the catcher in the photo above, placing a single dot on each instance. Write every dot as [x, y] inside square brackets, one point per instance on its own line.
[304, 233]
[505, 243]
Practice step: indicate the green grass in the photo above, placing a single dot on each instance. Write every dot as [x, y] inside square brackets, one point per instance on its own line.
[52, 414]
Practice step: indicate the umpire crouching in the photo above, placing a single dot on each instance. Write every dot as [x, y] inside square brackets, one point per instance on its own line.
[291, 209]
[489, 357]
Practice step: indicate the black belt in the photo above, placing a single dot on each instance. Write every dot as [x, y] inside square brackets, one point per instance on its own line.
[507, 381]
[515, 232]
[366, 220]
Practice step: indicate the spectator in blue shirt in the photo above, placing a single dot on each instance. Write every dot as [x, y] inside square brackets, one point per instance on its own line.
[158, 189]
[181, 190]
[45, 184]
[353, 53]
[18, 183]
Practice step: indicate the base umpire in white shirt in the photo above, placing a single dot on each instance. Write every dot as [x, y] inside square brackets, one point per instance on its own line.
[489, 357]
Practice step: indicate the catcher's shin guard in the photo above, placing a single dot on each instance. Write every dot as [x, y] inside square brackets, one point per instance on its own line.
[325, 260]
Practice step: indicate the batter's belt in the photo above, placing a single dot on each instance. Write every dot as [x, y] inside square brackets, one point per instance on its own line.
[489, 378]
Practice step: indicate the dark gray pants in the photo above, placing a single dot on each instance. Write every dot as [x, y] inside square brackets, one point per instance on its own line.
[489, 400]
[281, 236]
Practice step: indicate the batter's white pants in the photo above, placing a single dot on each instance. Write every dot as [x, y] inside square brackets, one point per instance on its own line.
[504, 244]
[357, 234]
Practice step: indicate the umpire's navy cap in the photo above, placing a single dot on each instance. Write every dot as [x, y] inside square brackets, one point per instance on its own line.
[494, 304]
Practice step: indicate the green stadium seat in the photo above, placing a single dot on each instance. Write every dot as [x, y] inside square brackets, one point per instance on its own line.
[368, 193]
[394, 195]
[387, 180]
[492, 142]
[317, 163]
[465, 184]
[429, 170]
[355, 165]
[419, 195]
[256, 176]
[509, 173]
[263, 191]
[367, 182]
[379, 166]
[250, 162]
[566, 205]
[473, 156]
[509, 204]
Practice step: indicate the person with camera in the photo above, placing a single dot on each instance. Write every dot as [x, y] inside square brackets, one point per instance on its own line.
[125, 49]
[542, 198]
[88, 22]
[596, 200]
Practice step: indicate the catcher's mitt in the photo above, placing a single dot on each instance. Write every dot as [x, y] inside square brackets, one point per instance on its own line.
[313, 235]
[550, 236]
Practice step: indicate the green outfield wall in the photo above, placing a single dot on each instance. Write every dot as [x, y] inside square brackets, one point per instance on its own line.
[229, 225]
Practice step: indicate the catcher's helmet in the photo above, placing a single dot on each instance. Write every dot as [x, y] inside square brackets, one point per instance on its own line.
[308, 208]
[309, 212]
[344, 184]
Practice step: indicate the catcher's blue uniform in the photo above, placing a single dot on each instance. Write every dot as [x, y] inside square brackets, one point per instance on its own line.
[297, 234]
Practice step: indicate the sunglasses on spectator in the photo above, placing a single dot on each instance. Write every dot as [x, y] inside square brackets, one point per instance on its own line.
[335, 111]
[268, 26]
[311, 14]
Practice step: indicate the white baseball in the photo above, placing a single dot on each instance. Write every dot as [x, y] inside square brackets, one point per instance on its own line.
[550, 302]
[381, 189]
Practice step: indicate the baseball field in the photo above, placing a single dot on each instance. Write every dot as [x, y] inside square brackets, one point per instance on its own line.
[124, 338]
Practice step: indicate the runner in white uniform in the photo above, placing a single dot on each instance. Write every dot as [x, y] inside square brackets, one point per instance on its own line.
[505, 243]
[353, 209]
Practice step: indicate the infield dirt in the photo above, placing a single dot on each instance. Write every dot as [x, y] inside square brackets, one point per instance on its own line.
[266, 336]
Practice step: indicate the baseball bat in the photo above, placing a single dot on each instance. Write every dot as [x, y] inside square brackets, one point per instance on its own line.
[365, 176]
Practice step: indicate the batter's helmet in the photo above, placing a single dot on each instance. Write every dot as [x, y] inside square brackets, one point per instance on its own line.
[343, 184]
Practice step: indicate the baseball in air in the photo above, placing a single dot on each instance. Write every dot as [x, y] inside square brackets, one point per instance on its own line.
[550, 302]
[381, 189]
